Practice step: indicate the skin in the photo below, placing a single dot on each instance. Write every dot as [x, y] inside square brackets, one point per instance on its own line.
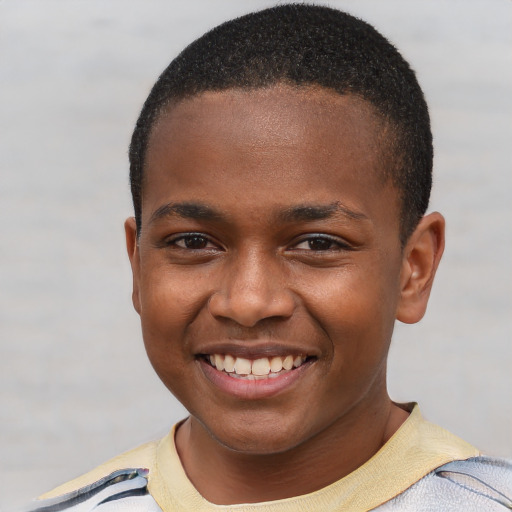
[267, 228]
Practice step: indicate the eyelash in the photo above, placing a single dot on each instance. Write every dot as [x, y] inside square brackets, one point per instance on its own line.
[173, 241]
[340, 245]
[309, 239]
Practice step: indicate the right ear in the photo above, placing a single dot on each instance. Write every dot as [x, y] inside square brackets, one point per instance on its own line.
[132, 247]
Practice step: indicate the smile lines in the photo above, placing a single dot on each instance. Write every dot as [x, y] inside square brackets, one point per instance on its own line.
[262, 368]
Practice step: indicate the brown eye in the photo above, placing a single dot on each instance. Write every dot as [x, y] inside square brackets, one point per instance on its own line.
[320, 244]
[193, 242]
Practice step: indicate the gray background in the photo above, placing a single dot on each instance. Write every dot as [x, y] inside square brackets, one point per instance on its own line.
[75, 386]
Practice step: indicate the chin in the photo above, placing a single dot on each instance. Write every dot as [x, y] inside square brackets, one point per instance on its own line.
[259, 437]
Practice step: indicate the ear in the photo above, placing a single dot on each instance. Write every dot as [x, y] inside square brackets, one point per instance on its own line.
[132, 246]
[421, 258]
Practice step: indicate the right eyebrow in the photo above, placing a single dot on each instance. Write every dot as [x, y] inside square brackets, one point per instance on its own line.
[186, 210]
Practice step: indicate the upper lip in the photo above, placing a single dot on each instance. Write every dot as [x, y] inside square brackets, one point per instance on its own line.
[256, 350]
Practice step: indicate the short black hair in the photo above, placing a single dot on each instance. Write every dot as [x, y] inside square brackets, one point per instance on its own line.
[304, 45]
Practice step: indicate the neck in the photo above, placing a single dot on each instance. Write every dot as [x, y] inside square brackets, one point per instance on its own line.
[224, 476]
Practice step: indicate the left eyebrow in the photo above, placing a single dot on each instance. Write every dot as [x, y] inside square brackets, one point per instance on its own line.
[186, 210]
[310, 212]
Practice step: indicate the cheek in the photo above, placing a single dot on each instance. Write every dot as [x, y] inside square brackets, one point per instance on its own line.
[169, 304]
[170, 297]
[355, 307]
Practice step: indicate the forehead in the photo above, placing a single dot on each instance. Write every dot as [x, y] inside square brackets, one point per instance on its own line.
[306, 140]
[279, 109]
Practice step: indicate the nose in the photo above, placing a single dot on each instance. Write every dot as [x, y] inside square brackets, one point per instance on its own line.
[253, 289]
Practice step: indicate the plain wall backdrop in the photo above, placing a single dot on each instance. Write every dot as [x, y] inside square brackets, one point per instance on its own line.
[75, 385]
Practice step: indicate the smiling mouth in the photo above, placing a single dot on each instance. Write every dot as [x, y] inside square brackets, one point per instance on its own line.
[256, 369]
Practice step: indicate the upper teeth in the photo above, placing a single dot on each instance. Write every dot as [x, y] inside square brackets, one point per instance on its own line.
[258, 367]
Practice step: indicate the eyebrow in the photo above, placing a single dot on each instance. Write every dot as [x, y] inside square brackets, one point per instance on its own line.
[187, 210]
[310, 212]
[299, 213]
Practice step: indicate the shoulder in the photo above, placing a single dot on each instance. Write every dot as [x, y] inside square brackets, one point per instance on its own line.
[123, 490]
[472, 485]
[141, 457]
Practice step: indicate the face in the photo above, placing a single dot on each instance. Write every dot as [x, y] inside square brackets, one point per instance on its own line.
[267, 272]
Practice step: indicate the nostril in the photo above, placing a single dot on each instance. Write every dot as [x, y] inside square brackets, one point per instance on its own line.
[247, 309]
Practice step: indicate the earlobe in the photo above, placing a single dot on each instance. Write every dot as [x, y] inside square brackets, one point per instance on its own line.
[421, 258]
[132, 248]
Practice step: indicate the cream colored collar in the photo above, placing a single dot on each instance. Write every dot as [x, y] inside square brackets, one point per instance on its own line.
[415, 450]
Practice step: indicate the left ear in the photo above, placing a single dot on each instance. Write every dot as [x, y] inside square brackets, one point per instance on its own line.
[421, 258]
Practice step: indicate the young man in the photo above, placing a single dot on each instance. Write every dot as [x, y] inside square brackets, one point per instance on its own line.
[281, 171]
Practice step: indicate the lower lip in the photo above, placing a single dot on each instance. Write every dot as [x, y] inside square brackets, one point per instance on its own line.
[252, 389]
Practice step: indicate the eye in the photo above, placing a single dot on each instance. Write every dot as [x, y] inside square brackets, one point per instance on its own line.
[192, 241]
[320, 243]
